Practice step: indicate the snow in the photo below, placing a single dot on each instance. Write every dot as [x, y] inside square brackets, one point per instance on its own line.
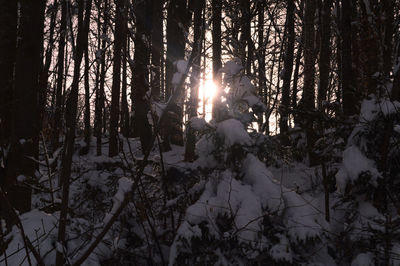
[363, 259]
[371, 108]
[21, 178]
[253, 101]
[232, 67]
[124, 186]
[301, 217]
[40, 229]
[198, 123]
[176, 78]
[233, 132]
[355, 163]
[264, 186]
[181, 66]
[282, 250]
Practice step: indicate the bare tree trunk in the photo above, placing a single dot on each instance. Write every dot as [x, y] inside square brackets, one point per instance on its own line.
[60, 77]
[195, 79]
[116, 84]
[325, 53]
[387, 23]
[288, 69]
[246, 31]
[140, 78]
[8, 37]
[308, 97]
[71, 113]
[44, 75]
[349, 93]
[216, 52]
[296, 74]
[157, 47]
[88, 129]
[124, 99]
[262, 81]
[177, 23]
[99, 109]
[25, 109]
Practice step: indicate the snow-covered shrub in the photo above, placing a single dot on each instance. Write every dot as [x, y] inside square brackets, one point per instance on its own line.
[244, 215]
[369, 183]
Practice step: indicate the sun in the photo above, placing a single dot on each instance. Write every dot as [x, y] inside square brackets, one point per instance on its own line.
[209, 88]
[207, 91]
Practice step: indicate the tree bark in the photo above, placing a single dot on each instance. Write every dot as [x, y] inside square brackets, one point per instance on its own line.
[216, 52]
[71, 113]
[287, 75]
[99, 109]
[26, 99]
[60, 77]
[8, 37]
[177, 23]
[88, 129]
[194, 79]
[308, 98]
[116, 83]
[325, 53]
[348, 90]
[157, 48]
[140, 83]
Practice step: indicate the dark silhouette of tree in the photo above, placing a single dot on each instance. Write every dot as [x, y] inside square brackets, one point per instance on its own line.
[116, 82]
[140, 81]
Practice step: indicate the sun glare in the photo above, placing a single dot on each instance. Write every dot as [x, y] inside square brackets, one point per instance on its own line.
[206, 94]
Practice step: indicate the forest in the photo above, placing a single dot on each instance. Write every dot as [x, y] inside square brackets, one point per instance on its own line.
[200, 132]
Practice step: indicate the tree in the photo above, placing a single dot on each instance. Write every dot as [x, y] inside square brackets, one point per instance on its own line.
[60, 77]
[8, 35]
[100, 97]
[177, 23]
[197, 6]
[25, 108]
[157, 48]
[325, 53]
[116, 83]
[70, 117]
[349, 92]
[288, 68]
[140, 83]
[216, 51]
[308, 97]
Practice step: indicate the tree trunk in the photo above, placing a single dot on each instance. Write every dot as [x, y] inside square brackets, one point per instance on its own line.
[99, 109]
[88, 129]
[25, 109]
[348, 90]
[60, 77]
[177, 23]
[124, 99]
[216, 52]
[262, 81]
[140, 78]
[325, 53]
[44, 75]
[157, 48]
[195, 79]
[287, 75]
[70, 116]
[308, 98]
[116, 83]
[8, 37]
